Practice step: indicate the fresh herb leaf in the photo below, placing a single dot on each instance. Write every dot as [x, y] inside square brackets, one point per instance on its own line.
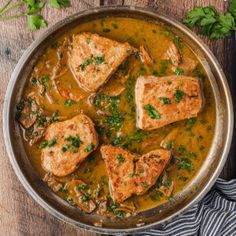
[182, 148]
[85, 63]
[82, 187]
[36, 22]
[65, 148]
[170, 144]
[59, 3]
[152, 112]
[210, 22]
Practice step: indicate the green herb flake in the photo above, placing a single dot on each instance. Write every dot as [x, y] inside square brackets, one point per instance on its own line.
[152, 112]
[85, 64]
[65, 148]
[182, 148]
[89, 148]
[120, 158]
[179, 71]
[191, 121]
[115, 26]
[170, 144]
[43, 144]
[154, 31]
[99, 60]
[179, 95]
[34, 81]
[52, 142]
[165, 100]
[185, 164]
[84, 198]
[120, 213]
[59, 3]
[69, 102]
[82, 187]
[106, 30]
[35, 22]
[183, 178]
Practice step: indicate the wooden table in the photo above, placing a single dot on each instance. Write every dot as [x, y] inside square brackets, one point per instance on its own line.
[19, 213]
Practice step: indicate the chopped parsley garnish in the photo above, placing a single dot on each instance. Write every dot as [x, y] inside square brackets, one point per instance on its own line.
[141, 171]
[152, 112]
[99, 60]
[115, 26]
[178, 43]
[88, 40]
[89, 148]
[65, 148]
[182, 178]
[154, 31]
[82, 187]
[84, 198]
[179, 95]
[52, 142]
[170, 144]
[182, 148]
[106, 30]
[43, 144]
[69, 102]
[85, 63]
[179, 71]
[116, 140]
[45, 79]
[120, 213]
[202, 148]
[156, 196]
[191, 121]
[34, 81]
[164, 66]
[199, 138]
[120, 158]
[165, 100]
[185, 164]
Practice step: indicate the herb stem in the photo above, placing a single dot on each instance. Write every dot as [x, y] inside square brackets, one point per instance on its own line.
[12, 7]
[5, 6]
[12, 17]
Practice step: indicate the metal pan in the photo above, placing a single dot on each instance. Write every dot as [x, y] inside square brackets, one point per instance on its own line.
[198, 187]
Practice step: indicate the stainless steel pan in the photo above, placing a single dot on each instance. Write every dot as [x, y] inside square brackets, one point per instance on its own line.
[200, 185]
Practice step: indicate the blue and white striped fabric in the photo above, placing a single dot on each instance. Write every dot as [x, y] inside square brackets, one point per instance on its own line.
[215, 215]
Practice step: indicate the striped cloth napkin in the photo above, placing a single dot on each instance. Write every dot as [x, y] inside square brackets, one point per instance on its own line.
[214, 215]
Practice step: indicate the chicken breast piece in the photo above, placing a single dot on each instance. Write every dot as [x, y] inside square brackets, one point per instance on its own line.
[95, 58]
[68, 144]
[128, 175]
[164, 100]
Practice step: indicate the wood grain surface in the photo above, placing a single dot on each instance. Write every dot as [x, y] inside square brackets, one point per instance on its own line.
[19, 213]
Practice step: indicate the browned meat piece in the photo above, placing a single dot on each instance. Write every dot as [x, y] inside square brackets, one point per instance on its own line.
[52, 182]
[164, 100]
[188, 65]
[145, 55]
[119, 165]
[95, 58]
[173, 55]
[78, 192]
[127, 176]
[69, 143]
[149, 167]
[27, 115]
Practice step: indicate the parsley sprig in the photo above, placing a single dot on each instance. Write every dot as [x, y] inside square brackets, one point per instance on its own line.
[31, 11]
[210, 22]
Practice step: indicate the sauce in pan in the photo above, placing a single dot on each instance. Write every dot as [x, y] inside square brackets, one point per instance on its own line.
[188, 139]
